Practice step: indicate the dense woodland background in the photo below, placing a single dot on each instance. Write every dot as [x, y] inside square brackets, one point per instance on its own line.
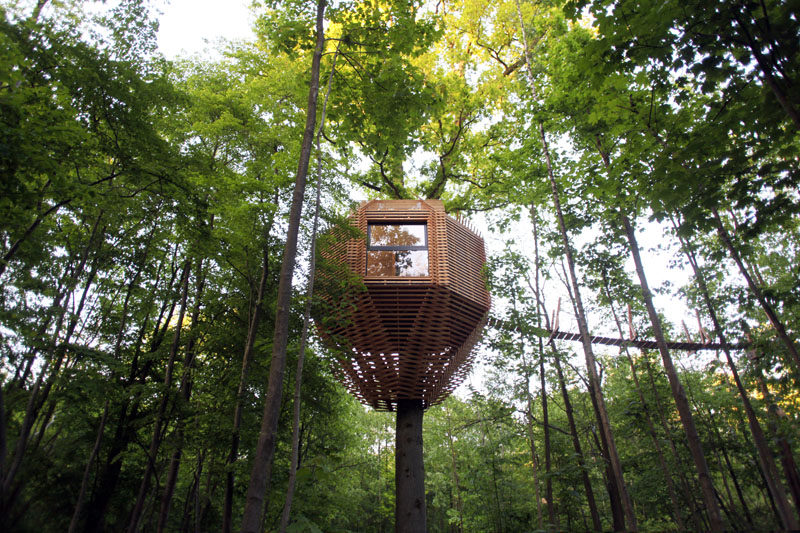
[144, 214]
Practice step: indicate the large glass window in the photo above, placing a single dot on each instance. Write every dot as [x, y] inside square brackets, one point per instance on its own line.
[397, 250]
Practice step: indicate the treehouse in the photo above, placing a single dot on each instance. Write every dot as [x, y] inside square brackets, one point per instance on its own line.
[409, 334]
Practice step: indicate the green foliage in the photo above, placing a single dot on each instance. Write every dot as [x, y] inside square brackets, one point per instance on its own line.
[118, 166]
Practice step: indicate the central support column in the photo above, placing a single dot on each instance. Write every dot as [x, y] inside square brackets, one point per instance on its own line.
[409, 473]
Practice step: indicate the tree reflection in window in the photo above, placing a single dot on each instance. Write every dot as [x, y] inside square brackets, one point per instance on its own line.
[397, 250]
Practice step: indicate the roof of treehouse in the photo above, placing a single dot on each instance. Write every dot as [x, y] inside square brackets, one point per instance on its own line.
[410, 333]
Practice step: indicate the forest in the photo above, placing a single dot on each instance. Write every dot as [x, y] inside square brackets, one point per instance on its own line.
[158, 221]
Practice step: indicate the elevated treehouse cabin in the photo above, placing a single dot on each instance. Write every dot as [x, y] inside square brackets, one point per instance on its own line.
[409, 335]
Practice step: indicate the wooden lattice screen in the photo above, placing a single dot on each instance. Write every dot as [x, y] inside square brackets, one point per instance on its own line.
[409, 336]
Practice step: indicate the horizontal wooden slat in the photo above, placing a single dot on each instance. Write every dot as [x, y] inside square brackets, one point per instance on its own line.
[411, 338]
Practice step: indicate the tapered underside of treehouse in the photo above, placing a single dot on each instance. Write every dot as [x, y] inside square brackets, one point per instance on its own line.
[410, 333]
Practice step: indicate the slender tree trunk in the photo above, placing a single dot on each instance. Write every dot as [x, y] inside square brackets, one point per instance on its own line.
[23, 369]
[252, 332]
[457, 482]
[287, 506]
[262, 462]
[681, 402]
[619, 510]
[76, 515]
[780, 328]
[184, 392]
[60, 347]
[534, 459]
[734, 478]
[785, 514]
[158, 434]
[109, 476]
[539, 311]
[787, 457]
[51, 365]
[696, 517]
[410, 509]
[128, 410]
[576, 445]
[790, 470]
[615, 503]
[192, 494]
[766, 494]
[498, 514]
[192, 505]
[594, 379]
[211, 487]
[651, 430]
[295, 453]
[547, 447]
[734, 519]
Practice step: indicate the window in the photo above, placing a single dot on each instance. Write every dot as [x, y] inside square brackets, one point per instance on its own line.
[397, 250]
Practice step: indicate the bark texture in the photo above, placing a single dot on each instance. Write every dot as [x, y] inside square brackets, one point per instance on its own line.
[409, 477]
[262, 462]
[678, 392]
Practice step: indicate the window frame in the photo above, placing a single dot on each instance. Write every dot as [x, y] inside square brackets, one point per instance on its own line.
[396, 248]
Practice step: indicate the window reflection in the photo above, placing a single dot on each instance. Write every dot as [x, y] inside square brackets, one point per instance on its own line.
[397, 250]
[397, 235]
[412, 263]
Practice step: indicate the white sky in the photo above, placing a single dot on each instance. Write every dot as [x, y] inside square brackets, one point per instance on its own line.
[198, 28]
[193, 27]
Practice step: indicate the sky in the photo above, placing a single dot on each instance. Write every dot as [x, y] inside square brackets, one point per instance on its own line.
[192, 27]
[197, 28]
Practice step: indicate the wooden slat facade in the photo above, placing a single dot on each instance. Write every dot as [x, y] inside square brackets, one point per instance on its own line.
[410, 337]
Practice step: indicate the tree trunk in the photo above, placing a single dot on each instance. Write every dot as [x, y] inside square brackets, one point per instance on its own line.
[591, 364]
[262, 462]
[736, 485]
[128, 411]
[576, 445]
[52, 364]
[158, 434]
[547, 448]
[678, 393]
[59, 348]
[185, 392]
[787, 457]
[651, 430]
[108, 478]
[785, 514]
[696, 518]
[252, 332]
[457, 482]
[76, 515]
[534, 459]
[410, 516]
[617, 511]
[539, 311]
[725, 238]
[295, 454]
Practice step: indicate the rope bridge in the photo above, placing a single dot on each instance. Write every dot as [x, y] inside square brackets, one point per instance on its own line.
[610, 341]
